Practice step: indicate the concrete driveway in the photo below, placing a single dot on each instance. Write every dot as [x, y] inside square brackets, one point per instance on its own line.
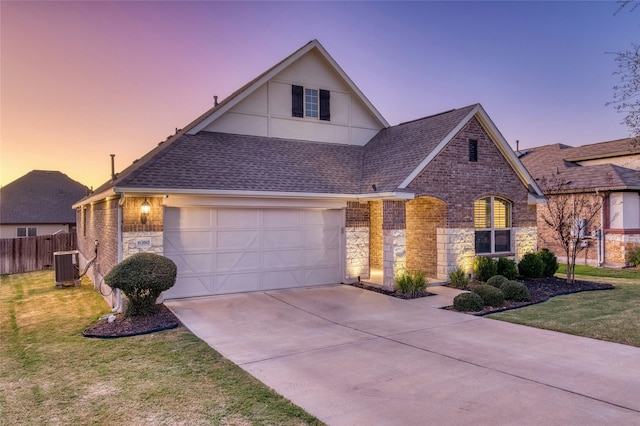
[355, 357]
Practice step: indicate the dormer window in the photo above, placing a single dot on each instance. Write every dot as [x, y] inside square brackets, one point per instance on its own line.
[310, 103]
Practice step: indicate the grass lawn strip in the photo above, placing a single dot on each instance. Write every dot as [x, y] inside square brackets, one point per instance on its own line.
[51, 374]
[612, 315]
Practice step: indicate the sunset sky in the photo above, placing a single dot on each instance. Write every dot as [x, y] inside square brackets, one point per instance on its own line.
[82, 80]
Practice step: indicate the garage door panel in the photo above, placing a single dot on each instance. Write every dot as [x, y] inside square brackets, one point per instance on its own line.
[282, 218]
[282, 238]
[321, 237]
[180, 241]
[283, 258]
[191, 286]
[220, 251]
[238, 239]
[238, 261]
[238, 218]
[321, 257]
[237, 282]
[189, 218]
[194, 263]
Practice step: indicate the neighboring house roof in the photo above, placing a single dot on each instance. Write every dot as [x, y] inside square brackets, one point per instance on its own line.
[40, 196]
[560, 161]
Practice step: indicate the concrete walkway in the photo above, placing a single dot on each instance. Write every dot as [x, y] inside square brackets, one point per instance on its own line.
[354, 357]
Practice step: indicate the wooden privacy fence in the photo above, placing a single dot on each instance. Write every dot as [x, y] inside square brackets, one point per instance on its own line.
[28, 254]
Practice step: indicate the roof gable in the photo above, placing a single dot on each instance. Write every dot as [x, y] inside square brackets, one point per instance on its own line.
[40, 196]
[238, 96]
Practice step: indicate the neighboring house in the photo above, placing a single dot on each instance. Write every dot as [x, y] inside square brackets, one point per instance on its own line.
[609, 170]
[39, 203]
[297, 180]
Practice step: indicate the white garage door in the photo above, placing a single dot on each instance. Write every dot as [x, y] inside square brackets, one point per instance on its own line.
[226, 250]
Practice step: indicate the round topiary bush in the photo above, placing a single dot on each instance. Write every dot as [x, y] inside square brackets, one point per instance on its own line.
[497, 281]
[531, 266]
[468, 302]
[508, 268]
[490, 295]
[142, 277]
[550, 262]
[515, 291]
[484, 268]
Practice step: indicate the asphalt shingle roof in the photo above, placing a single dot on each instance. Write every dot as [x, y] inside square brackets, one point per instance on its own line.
[40, 196]
[230, 162]
[554, 160]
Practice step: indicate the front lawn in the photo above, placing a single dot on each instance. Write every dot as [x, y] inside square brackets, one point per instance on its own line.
[51, 374]
[612, 315]
[590, 271]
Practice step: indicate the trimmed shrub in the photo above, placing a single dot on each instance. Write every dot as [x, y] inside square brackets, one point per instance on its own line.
[468, 302]
[458, 279]
[550, 262]
[412, 283]
[490, 295]
[531, 266]
[484, 268]
[497, 281]
[142, 277]
[507, 268]
[515, 291]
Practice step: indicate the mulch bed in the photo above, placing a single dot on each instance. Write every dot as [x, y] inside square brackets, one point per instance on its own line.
[540, 290]
[397, 294]
[133, 326]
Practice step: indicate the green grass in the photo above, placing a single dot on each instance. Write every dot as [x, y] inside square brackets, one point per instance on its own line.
[590, 271]
[612, 315]
[51, 374]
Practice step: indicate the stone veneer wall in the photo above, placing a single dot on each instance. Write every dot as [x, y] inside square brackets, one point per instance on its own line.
[141, 242]
[395, 255]
[357, 264]
[357, 241]
[618, 247]
[525, 241]
[375, 237]
[456, 248]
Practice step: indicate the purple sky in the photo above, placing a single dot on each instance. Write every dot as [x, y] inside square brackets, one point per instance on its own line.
[82, 80]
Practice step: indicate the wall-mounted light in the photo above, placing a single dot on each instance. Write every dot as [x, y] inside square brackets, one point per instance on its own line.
[145, 209]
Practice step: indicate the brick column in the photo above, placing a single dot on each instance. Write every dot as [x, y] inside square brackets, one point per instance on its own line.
[394, 253]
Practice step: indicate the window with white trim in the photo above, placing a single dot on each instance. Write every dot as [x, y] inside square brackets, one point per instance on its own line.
[22, 232]
[311, 103]
[492, 220]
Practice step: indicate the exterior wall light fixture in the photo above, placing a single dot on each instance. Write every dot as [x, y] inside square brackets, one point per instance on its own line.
[145, 209]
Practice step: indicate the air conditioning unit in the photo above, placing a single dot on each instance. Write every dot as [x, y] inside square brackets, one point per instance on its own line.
[66, 268]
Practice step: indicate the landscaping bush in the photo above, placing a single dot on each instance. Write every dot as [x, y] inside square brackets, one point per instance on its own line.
[484, 268]
[550, 262]
[515, 291]
[490, 295]
[458, 279]
[531, 266]
[497, 281]
[412, 283]
[507, 268]
[634, 257]
[142, 277]
[468, 302]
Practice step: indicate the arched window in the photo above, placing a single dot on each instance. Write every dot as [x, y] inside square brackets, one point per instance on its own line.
[492, 220]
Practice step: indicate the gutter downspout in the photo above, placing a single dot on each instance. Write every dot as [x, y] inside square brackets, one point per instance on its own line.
[118, 293]
[601, 240]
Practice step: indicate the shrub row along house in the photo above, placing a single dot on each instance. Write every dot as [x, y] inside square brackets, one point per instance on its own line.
[604, 178]
[297, 180]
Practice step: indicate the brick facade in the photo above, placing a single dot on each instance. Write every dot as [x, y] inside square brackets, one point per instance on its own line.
[375, 237]
[424, 216]
[452, 178]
